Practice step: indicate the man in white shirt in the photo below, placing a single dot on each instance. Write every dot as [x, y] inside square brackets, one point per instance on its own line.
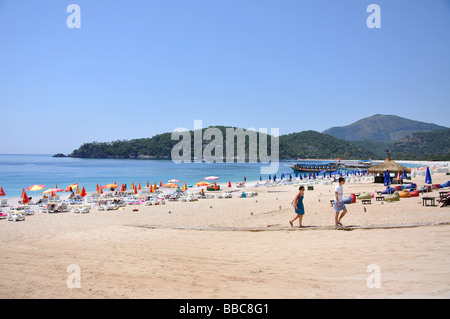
[338, 201]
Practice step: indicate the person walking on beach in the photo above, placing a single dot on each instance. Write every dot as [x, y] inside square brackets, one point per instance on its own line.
[338, 202]
[297, 202]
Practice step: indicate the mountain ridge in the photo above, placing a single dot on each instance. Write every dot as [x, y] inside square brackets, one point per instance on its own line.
[379, 127]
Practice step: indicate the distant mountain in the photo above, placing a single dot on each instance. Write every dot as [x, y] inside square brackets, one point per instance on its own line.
[386, 128]
[433, 145]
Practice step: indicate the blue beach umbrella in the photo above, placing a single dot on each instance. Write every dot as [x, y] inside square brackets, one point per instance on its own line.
[270, 177]
[274, 177]
[404, 174]
[260, 178]
[301, 177]
[290, 176]
[428, 176]
[296, 174]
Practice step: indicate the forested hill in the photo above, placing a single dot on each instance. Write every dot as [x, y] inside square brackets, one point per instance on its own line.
[434, 145]
[307, 144]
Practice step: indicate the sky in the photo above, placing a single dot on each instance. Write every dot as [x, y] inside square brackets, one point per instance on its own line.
[139, 68]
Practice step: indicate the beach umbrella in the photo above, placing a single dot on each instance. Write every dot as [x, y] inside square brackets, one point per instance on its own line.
[83, 192]
[270, 176]
[150, 188]
[139, 186]
[301, 177]
[24, 197]
[154, 187]
[135, 189]
[35, 187]
[290, 176]
[53, 190]
[260, 178]
[210, 178]
[171, 185]
[229, 183]
[148, 184]
[132, 185]
[428, 176]
[107, 186]
[215, 185]
[281, 177]
[184, 186]
[404, 174]
[71, 187]
[174, 181]
[274, 177]
[2, 192]
[202, 184]
[160, 183]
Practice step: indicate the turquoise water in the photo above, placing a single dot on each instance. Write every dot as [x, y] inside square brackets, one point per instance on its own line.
[21, 171]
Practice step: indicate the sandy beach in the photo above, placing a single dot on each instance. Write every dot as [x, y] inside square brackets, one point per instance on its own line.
[233, 248]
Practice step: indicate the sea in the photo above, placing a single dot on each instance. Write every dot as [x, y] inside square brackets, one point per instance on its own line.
[18, 171]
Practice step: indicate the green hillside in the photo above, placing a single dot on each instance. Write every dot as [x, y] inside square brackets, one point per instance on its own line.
[423, 145]
[307, 144]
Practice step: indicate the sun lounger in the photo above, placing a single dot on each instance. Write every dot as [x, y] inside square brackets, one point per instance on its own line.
[82, 209]
[4, 203]
[15, 216]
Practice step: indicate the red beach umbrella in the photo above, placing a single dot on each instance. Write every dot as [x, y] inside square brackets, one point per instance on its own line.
[139, 187]
[83, 192]
[24, 197]
[160, 184]
[135, 189]
[2, 192]
[229, 183]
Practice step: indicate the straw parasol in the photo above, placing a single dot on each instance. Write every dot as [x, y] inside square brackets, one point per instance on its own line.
[387, 165]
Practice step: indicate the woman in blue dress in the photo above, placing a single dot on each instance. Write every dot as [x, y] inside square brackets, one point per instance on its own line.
[297, 202]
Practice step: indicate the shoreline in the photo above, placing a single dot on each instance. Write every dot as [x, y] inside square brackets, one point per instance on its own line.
[223, 185]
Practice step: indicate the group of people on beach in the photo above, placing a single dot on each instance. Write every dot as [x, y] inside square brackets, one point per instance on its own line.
[339, 206]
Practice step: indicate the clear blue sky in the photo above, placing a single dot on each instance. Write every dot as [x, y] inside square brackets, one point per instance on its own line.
[138, 68]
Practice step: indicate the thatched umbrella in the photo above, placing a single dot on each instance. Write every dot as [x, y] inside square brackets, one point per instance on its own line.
[387, 165]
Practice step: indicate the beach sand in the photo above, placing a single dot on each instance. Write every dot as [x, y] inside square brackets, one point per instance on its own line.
[232, 248]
